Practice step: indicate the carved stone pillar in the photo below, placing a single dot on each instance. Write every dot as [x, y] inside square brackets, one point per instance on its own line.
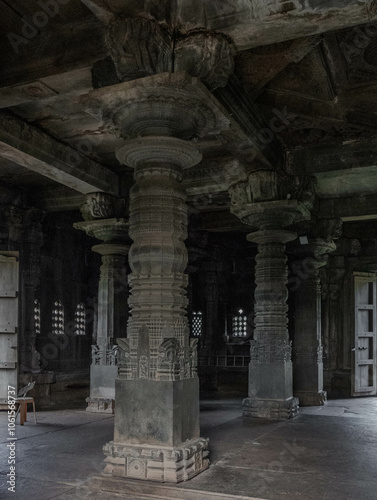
[264, 202]
[112, 296]
[156, 433]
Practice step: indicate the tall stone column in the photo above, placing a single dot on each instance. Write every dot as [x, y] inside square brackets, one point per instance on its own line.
[307, 342]
[156, 433]
[112, 295]
[263, 202]
[158, 369]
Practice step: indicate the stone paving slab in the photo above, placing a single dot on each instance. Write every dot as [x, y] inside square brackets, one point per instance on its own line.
[314, 456]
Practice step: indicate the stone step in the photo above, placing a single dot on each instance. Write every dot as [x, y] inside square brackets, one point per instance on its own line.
[138, 490]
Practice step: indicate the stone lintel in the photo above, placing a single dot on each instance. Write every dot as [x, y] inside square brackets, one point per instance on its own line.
[248, 24]
[271, 409]
[35, 150]
[350, 208]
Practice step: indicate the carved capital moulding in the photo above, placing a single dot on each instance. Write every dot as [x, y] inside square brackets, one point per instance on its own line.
[165, 105]
[141, 47]
[103, 206]
[267, 200]
[113, 232]
[315, 253]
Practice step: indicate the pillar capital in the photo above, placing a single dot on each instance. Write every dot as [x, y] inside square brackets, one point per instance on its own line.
[164, 105]
[265, 236]
[103, 206]
[139, 47]
[113, 232]
[264, 199]
[149, 154]
[142, 47]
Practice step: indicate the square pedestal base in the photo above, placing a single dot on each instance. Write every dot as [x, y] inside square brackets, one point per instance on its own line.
[272, 409]
[100, 405]
[308, 398]
[157, 463]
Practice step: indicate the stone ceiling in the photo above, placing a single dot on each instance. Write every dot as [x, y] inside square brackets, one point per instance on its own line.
[303, 91]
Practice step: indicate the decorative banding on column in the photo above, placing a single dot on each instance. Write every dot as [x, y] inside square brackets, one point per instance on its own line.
[157, 436]
[264, 201]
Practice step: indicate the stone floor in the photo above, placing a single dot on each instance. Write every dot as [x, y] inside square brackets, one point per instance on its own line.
[326, 453]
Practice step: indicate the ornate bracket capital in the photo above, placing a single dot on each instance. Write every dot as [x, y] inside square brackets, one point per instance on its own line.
[102, 206]
[141, 47]
[206, 55]
[267, 199]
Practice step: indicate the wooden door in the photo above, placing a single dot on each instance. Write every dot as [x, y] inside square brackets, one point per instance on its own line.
[8, 322]
[364, 366]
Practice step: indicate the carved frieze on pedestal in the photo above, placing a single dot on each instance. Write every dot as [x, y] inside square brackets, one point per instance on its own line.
[156, 433]
[165, 464]
[100, 405]
[270, 203]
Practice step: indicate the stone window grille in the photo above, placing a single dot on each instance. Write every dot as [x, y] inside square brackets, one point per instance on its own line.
[58, 318]
[196, 324]
[37, 317]
[80, 320]
[239, 324]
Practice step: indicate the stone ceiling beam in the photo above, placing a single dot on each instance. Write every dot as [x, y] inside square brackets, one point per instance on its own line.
[56, 199]
[33, 149]
[80, 44]
[74, 46]
[349, 208]
[344, 156]
[248, 23]
[49, 89]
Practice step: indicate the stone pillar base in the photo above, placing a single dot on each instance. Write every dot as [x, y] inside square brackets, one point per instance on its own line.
[100, 405]
[157, 463]
[308, 398]
[272, 409]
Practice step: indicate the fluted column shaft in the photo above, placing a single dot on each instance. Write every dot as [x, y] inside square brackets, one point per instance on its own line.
[270, 371]
[158, 259]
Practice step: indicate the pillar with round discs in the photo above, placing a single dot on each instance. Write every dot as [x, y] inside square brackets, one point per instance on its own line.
[157, 435]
